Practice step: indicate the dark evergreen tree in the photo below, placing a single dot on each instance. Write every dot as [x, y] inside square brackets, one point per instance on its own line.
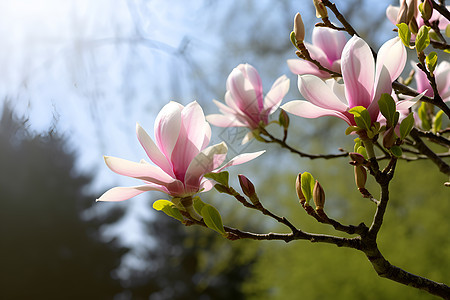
[47, 250]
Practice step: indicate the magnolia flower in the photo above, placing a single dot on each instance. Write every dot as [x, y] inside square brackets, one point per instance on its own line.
[180, 154]
[442, 76]
[364, 82]
[326, 48]
[392, 14]
[245, 105]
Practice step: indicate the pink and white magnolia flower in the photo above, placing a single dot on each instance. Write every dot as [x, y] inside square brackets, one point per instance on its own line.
[245, 104]
[326, 48]
[392, 13]
[364, 82]
[442, 76]
[180, 154]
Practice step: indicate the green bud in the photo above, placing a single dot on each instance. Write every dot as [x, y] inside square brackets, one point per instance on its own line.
[427, 10]
[284, 119]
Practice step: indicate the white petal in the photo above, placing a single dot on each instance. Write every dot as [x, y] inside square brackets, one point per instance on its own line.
[125, 193]
[306, 109]
[319, 93]
[240, 159]
[167, 127]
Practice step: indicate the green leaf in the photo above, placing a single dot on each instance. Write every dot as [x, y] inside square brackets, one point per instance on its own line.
[422, 39]
[361, 150]
[307, 185]
[362, 117]
[212, 218]
[431, 61]
[406, 125]
[437, 121]
[387, 108]
[396, 117]
[221, 177]
[396, 150]
[424, 117]
[357, 144]
[404, 33]
[222, 189]
[447, 31]
[351, 129]
[293, 39]
[168, 208]
[198, 204]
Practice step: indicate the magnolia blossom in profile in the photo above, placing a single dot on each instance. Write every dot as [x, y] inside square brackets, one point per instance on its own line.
[442, 77]
[326, 48]
[180, 155]
[392, 13]
[245, 105]
[364, 82]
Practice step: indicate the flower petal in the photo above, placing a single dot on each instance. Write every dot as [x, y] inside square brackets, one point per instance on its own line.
[240, 159]
[167, 127]
[276, 94]
[301, 67]
[141, 171]
[391, 13]
[358, 70]
[319, 93]
[331, 42]
[153, 151]
[252, 75]
[391, 55]
[382, 86]
[125, 193]
[306, 109]
[206, 161]
[224, 121]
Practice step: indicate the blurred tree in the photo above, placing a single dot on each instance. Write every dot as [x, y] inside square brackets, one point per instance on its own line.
[48, 251]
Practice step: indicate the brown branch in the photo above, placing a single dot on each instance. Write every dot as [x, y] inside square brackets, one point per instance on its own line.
[340, 17]
[434, 137]
[441, 9]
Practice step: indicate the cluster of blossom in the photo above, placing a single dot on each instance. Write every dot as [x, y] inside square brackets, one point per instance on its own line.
[181, 154]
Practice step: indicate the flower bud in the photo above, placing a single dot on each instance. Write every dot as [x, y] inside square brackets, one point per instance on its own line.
[427, 9]
[299, 28]
[247, 186]
[298, 188]
[402, 13]
[318, 196]
[413, 26]
[411, 11]
[360, 177]
[284, 119]
[389, 138]
[321, 10]
[357, 159]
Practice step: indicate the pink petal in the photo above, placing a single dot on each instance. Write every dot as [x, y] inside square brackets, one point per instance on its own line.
[224, 121]
[306, 109]
[319, 93]
[203, 163]
[125, 193]
[153, 151]
[358, 70]
[240, 159]
[252, 75]
[331, 42]
[145, 172]
[422, 81]
[167, 127]
[318, 54]
[393, 56]
[276, 94]
[405, 104]
[391, 13]
[206, 184]
[382, 86]
[301, 67]
[442, 74]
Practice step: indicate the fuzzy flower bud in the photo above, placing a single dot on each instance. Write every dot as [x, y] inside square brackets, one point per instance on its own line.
[284, 119]
[427, 9]
[413, 26]
[321, 10]
[318, 196]
[357, 159]
[299, 28]
[389, 138]
[411, 11]
[298, 188]
[360, 177]
[402, 13]
[248, 189]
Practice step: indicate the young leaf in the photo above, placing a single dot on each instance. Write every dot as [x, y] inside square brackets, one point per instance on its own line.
[422, 39]
[307, 185]
[212, 218]
[431, 61]
[168, 208]
[198, 204]
[387, 108]
[405, 126]
[222, 189]
[397, 151]
[404, 33]
[221, 177]
[351, 129]
[357, 144]
[361, 150]
[362, 117]
[437, 121]
[424, 117]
